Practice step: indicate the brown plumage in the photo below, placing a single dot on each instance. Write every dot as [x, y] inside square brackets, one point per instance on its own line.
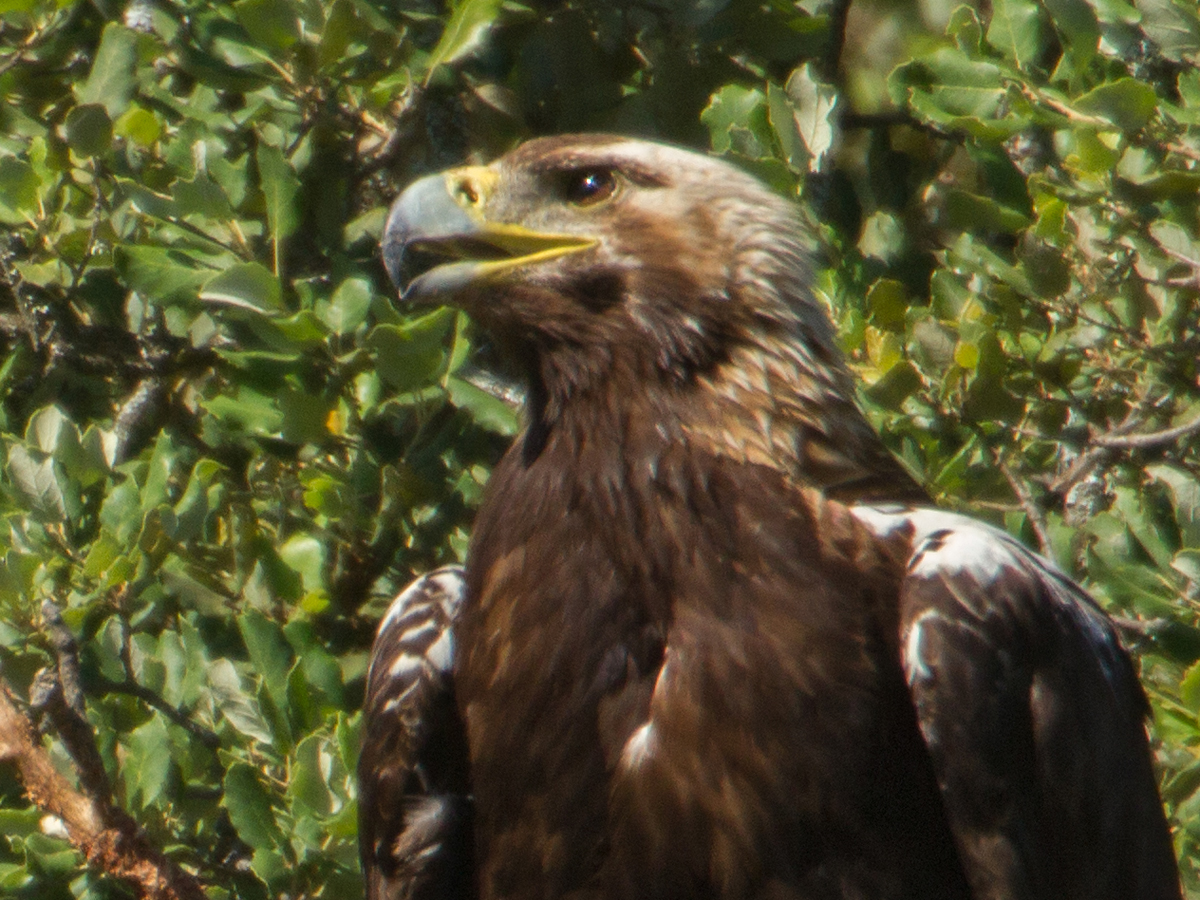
[714, 642]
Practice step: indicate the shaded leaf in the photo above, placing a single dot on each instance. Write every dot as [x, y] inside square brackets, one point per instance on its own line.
[235, 704]
[250, 807]
[19, 184]
[272, 24]
[89, 130]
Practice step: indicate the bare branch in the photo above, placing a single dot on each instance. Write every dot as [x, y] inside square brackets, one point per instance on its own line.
[209, 739]
[831, 64]
[1037, 518]
[58, 694]
[1123, 441]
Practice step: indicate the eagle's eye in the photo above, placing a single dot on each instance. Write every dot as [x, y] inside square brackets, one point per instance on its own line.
[584, 187]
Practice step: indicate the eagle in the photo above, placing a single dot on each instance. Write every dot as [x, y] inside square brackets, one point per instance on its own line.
[712, 641]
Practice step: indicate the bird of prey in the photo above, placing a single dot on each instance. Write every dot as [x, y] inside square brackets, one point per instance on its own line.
[712, 640]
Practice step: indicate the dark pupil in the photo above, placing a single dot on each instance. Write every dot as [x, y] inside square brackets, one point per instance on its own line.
[589, 185]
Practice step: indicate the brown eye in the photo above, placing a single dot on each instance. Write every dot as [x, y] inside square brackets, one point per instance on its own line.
[588, 186]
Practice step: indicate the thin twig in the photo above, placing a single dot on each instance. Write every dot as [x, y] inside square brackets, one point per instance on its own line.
[1037, 518]
[1123, 441]
[131, 688]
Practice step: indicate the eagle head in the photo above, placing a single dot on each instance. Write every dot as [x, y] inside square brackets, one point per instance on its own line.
[612, 247]
[621, 273]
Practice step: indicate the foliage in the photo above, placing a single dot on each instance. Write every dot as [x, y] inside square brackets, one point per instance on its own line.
[225, 448]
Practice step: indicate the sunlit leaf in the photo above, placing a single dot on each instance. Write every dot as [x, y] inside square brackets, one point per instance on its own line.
[247, 286]
[468, 25]
[111, 80]
[1127, 103]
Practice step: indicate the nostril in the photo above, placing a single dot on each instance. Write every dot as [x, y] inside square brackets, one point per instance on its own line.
[466, 191]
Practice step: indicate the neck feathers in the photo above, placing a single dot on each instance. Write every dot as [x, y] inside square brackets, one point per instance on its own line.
[750, 373]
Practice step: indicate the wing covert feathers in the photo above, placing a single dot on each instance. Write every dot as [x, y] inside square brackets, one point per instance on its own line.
[1033, 716]
[415, 838]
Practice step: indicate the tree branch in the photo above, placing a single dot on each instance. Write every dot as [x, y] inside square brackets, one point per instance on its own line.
[831, 63]
[1123, 441]
[106, 835]
[58, 694]
[1037, 518]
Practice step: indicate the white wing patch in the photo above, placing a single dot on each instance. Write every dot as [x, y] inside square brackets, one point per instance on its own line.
[639, 748]
[445, 586]
[947, 543]
[415, 640]
[916, 666]
[441, 654]
[946, 546]
[404, 666]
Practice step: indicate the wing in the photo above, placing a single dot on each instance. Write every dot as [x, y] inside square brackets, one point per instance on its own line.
[1034, 719]
[415, 818]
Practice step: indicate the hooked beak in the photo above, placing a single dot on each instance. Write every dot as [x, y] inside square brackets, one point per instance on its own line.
[437, 240]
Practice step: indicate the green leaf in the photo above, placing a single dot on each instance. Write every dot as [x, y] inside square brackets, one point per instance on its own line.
[161, 275]
[1189, 687]
[305, 416]
[305, 554]
[248, 411]
[291, 334]
[732, 109]
[897, 384]
[1185, 495]
[245, 286]
[488, 412]
[947, 85]
[1116, 12]
[1015, 30]
[815, 106]
[307, 786]
[89, 130]
[272, 24]
[341, 27]
[966, 355]
[888, 301]
[38, 481]
[779, 110]
[411, 355]
[202, 196]
[348, 307]
[1127, 103]
[964, 27]
[1077, 27]
[146, 201]
[46, 427]
[19, 185]
[111, 80]
[237, 705]
[139, 125]
[250, 807]
[966, 211]
[1174, 27]
[465, 32]
[148, 762]
[269, 653]
[279, 185]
